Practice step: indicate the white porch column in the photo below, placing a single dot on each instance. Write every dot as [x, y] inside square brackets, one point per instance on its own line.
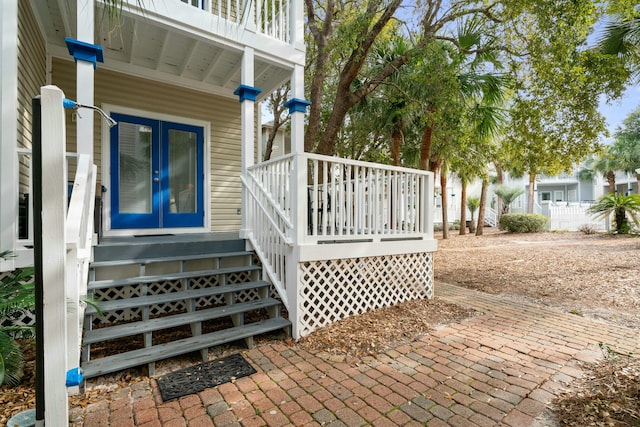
[86, 55]
[8, 128]
[247, 95]
[297, 108]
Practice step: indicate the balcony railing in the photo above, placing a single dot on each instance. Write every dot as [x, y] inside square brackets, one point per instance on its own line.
[268, 17]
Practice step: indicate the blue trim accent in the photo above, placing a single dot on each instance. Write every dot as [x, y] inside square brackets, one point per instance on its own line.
[74, 377]
[193, 218]
[160, 214]
[85, 51]
[150, 219]
[297, 105]
[246, 92]
[67, 103]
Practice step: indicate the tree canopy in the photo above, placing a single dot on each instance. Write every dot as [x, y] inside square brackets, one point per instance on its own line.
[386, 80]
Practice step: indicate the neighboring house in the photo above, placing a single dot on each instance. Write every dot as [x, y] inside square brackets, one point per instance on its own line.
[281, 142]
[186, 218]
[564, 198]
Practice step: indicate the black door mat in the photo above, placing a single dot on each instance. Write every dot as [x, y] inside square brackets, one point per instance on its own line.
[205, 375]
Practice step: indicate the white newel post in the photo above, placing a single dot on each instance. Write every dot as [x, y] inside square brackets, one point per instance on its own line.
[54, 199]
[247, 95]
[297, 108]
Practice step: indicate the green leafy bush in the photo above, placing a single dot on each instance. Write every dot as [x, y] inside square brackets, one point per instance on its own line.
[16, 293]
[524, 223]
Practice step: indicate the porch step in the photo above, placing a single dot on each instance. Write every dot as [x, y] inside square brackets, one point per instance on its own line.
[145, 301]
[152, 325]
[101, 284]
[158, 352]
[118, 248]
[155, 284]
[145, 261]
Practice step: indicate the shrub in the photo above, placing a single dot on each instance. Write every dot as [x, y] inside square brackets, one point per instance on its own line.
[16, 293]
[587, 229]
[524, 223]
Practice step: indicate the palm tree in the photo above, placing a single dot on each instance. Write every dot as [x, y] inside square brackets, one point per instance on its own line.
[623, 208]
[472, 204]
[605, 164]
[508, 195]
[621, 37]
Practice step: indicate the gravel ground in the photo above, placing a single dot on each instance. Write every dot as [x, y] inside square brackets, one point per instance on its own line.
[596, 276]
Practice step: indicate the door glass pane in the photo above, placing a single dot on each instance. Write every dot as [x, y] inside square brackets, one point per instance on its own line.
[182, 170]
[134, 168]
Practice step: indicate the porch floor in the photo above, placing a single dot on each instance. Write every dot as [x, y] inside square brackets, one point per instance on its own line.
[168, 238]
[518, 354]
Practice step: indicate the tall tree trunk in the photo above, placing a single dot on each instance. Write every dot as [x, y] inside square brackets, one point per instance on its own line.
[530, 193]
[443, 191]
[482, 208]
[611, 179]
[500, 181]
[397, 138]
[426, 142]
[463, 208]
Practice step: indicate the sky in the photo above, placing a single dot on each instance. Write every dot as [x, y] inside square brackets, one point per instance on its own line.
[620, 109]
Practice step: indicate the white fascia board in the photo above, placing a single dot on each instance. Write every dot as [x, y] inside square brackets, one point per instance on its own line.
[8, 128]
[332, 251]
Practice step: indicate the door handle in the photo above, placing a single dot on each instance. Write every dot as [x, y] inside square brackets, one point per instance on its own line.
[156, 179]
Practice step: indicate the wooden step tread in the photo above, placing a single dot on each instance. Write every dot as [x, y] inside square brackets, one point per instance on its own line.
[115, 263]
[147, 300]
[102, 284]
[135, 328]
[141, 356]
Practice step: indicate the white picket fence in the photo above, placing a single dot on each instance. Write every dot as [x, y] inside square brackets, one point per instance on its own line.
[572, 216]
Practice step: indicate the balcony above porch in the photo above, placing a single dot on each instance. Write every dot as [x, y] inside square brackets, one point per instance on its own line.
[197, 44]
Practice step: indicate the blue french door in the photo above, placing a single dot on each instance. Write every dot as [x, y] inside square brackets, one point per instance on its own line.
[157, 174]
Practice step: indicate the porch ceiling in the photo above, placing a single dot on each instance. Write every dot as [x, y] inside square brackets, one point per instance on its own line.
[149, 48]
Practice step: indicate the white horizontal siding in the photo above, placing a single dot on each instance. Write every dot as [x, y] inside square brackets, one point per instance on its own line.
[31, 75]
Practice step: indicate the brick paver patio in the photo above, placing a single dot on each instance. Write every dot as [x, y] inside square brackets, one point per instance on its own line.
[501, 368]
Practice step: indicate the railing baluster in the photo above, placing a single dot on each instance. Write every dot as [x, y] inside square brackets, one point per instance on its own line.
[349, 202]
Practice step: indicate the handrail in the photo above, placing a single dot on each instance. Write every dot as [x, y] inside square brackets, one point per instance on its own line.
[75, 219]
[321, 157]
[284, 237]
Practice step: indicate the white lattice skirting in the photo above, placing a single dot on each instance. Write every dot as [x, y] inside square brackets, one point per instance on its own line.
[332, 290]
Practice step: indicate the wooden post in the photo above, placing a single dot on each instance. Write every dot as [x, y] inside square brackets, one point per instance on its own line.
[247, 96]
[85, 78]
[53, 252]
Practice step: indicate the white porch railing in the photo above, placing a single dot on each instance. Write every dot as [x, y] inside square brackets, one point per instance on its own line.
[491, 216]
[24, 220]
[269, 209]
[304, 210]
[268, 17]
[350, 200]
[79, 241]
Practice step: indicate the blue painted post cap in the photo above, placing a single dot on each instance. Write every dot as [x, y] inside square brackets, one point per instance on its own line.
[85, 51]
[297, 105]
[74, 377]
[246, 92]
